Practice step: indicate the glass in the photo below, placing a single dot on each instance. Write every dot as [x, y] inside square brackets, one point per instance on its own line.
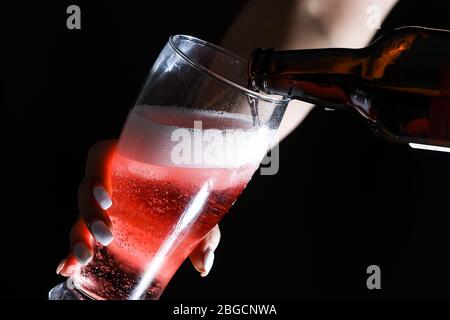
[187, 150]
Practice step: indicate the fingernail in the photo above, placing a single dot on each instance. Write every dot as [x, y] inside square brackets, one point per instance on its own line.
[101, 232]
[102, 197]
[208, 260]
[82, 253]
[60, 266]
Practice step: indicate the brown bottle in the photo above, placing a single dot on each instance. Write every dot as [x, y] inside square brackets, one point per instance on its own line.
[400, 83]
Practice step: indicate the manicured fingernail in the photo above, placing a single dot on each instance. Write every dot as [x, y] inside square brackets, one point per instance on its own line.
[208, 260]
[101, 232]
[60, 266]
[82, 253]
[102, 197]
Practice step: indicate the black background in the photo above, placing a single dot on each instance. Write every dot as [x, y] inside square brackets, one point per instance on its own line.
[342, 200]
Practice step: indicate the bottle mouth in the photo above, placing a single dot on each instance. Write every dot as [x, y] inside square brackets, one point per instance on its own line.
[258, 61]
[257, 58]
[237, 61]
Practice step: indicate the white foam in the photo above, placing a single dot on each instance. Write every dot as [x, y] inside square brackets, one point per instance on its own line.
[174, 136]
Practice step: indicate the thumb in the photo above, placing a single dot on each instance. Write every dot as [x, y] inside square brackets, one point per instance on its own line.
[203, 255]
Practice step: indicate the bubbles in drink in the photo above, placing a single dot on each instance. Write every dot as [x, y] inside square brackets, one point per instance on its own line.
[160, 210]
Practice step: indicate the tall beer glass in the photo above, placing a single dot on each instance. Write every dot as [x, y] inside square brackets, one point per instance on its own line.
[187, 150]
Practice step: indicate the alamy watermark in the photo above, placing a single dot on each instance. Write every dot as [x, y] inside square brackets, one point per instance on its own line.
[73, 21]
[373, 21]
[230, 148]
[374, 280]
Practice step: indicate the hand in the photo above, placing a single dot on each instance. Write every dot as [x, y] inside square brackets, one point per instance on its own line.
[94, 200]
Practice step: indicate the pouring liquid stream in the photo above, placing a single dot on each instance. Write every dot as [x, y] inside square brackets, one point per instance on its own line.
[253, 103]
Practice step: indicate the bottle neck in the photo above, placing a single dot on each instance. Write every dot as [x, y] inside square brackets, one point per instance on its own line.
[319, 76]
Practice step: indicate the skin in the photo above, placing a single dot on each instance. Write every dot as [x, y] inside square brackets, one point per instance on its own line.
[291, 24]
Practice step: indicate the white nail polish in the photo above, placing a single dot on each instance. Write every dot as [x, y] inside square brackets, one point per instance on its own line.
[101, 232]
[208, 260]
[82, 253]
[102, 197]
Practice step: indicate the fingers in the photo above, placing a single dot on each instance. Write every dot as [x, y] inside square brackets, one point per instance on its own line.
[95, 189]
[91, 200]
[81, 242]
[203, 255]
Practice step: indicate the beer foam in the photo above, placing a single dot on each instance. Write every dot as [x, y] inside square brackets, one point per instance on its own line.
[192, 138]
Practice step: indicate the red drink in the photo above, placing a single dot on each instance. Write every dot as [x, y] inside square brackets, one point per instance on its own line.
[161, 211]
